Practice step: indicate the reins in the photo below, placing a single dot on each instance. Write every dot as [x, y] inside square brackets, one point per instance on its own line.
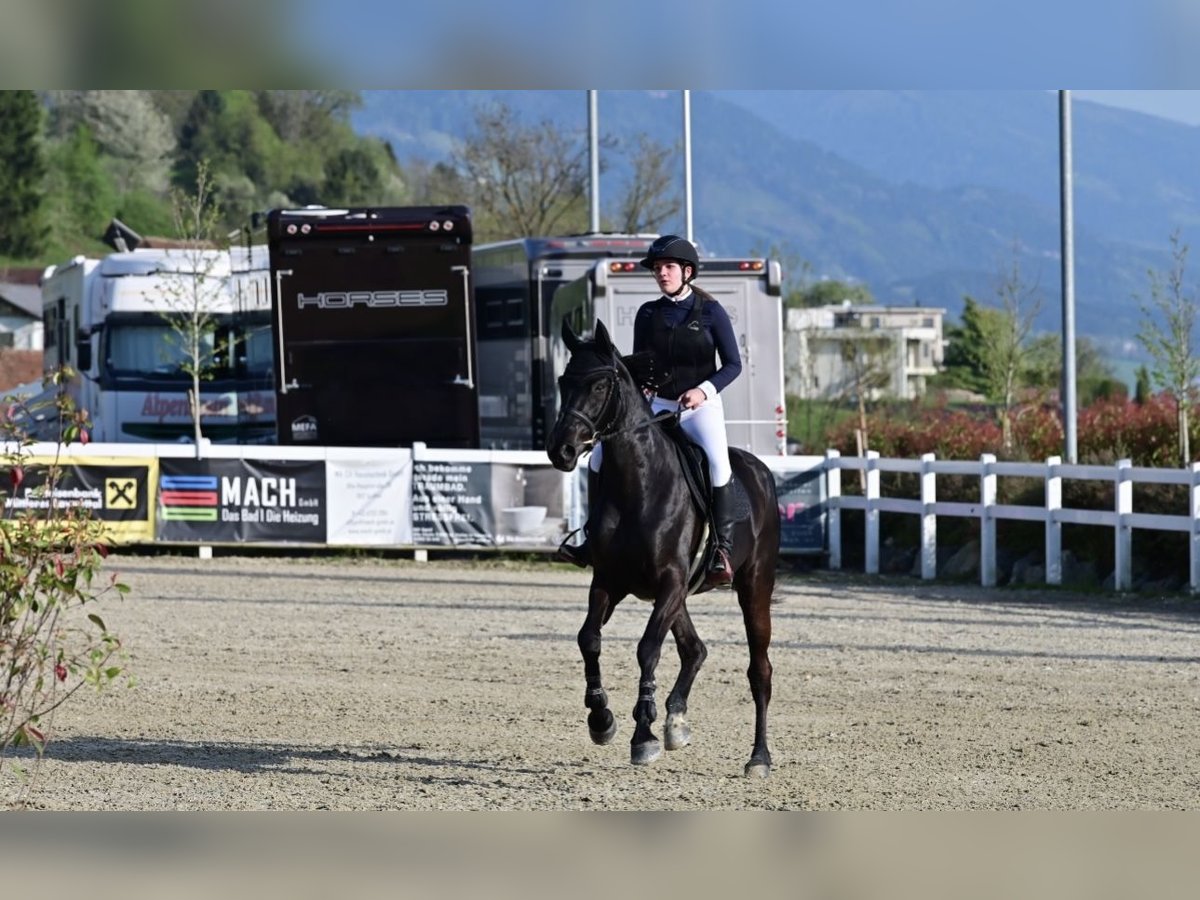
[596, 426]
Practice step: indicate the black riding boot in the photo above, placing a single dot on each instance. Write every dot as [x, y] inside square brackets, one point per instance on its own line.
[581, 554]
[720, 570]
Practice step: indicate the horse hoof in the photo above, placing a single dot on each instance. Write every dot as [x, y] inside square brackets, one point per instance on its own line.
[757, 769]
[676, 732]
[645, 753]
[603, 735]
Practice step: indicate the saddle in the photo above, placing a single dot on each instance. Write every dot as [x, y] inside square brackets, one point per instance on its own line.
[693, 462]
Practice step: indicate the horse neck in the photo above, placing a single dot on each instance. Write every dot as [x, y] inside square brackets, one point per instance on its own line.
[638, 448]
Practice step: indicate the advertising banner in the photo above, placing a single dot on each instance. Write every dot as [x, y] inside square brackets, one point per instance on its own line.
[223, 500]
[488, 504]
[114, 490]
[451, 503]
[370, 501]
[801, 511]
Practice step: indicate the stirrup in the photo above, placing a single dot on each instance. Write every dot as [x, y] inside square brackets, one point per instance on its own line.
[720, 573]
[575, 554]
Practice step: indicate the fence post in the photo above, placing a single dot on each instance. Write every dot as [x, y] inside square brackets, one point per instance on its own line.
[872, 513]
[1053, 525]
[833, 509]
[987, 521]
[1194, 498]
[928, 518]
[1123, 534]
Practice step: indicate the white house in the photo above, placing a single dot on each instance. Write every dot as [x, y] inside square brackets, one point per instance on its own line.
[904, 343]
[20, 309]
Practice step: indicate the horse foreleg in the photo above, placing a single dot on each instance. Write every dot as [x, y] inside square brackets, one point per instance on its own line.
[756, 613]
[601, 724]
[692, 653]
[645, 747]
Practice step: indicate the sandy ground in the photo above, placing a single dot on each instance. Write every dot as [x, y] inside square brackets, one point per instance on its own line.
[285, 683]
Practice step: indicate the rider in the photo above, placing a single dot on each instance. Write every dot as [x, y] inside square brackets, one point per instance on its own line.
[687, 330]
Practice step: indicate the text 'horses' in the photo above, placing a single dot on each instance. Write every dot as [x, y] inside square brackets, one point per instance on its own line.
[645, 534]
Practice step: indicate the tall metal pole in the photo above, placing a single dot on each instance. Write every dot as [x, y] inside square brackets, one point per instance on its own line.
[687, 162]
[1068, 277]
[594, 160]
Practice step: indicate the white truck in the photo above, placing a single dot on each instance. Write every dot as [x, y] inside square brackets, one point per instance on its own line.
[104, 318]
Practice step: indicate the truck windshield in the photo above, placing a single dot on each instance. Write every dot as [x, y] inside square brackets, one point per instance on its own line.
[154, 350]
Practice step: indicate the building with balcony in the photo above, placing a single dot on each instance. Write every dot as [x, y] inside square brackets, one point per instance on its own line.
[891, 351]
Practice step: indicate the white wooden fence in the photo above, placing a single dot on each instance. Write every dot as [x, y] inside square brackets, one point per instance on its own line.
[1122, 518]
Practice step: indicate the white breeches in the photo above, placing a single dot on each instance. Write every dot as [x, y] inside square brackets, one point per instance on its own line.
[705, 425]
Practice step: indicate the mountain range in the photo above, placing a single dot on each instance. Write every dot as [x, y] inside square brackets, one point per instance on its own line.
[924, 196]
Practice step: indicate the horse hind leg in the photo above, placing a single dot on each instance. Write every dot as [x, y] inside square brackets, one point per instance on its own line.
[754, 597]
[692, 653]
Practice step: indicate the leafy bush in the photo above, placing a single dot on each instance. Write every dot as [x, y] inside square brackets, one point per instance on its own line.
[52, 640]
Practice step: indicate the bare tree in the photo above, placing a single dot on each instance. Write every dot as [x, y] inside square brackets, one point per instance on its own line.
[193, 292]
[1168, 333]
[523, 180]
[1005, 351]
[648, 200]
[867, 358]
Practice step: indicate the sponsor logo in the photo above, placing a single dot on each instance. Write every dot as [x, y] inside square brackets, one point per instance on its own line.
[272, 492]
[120, 493]
[304, 428]
[371, 299]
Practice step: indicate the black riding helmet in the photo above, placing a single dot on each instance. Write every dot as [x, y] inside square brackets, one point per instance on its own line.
[672, 246]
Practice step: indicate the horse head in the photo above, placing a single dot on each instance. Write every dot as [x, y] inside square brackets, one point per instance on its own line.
[590, 394]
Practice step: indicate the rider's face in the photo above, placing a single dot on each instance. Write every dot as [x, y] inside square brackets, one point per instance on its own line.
[669, 275]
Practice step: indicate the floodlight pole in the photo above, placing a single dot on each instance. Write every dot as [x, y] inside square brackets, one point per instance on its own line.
[687, 162]
[1068, 277]
[594, 160]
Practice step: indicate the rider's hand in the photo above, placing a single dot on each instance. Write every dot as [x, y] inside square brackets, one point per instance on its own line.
[692, 398]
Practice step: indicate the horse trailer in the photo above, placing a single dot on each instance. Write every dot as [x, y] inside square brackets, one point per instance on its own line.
[519, 305]
[525, 288]
[750, 290]
[373, 326]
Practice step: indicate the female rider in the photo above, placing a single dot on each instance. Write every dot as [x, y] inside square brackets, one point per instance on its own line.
[688, 331]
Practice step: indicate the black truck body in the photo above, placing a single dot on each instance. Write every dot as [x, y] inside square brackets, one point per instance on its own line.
[373, 326]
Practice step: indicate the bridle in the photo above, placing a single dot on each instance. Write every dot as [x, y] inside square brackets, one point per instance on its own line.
[597, 426]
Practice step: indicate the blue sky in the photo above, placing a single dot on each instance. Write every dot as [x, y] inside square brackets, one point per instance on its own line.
[1182, 106]
[792, 44]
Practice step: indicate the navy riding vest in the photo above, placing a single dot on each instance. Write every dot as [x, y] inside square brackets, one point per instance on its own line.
[686, 351]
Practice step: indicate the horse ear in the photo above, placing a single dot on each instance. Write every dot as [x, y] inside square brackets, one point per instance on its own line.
[602, 337]
[569, 337]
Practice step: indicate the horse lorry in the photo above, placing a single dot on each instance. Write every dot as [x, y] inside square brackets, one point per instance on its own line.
[525, 288]
[109, 321]
[373, 326]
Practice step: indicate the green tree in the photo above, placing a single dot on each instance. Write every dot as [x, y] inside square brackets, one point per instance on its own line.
[797, 272]
[1168, 333]
[23, 230]
[831, 292]
[965, 348]
[1094, 377]
[80, 194]
[1141, 390]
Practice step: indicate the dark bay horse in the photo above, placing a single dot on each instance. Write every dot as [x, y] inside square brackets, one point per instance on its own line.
[644, 536]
